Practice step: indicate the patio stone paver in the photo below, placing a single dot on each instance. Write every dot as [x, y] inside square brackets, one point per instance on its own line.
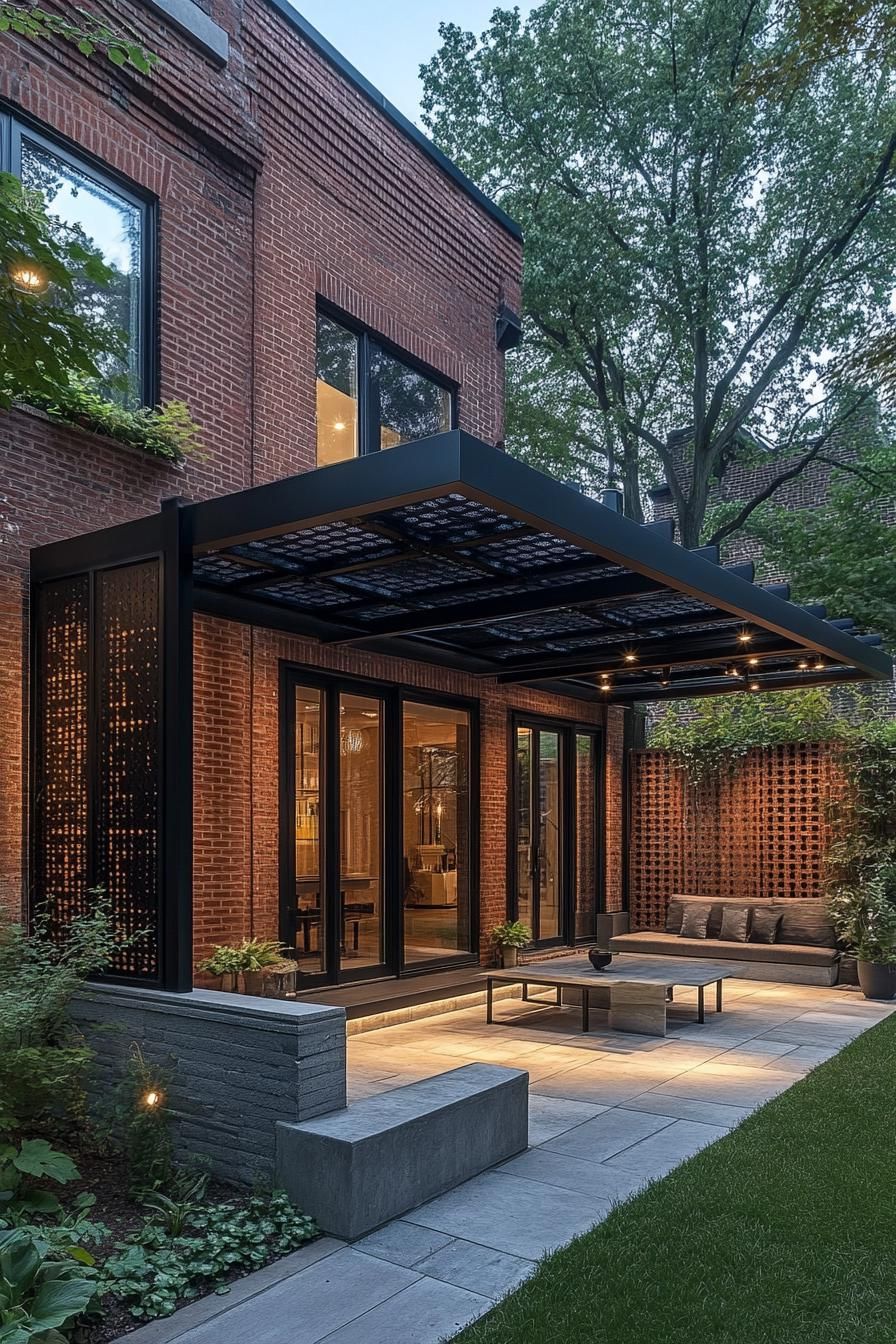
[424, 1313]
[661, 1152]
[598, 1139]
[521, 1217]
[479, 1268]
[591, 1178]
[608, 1112]
[403, 1243]
[550, 1116]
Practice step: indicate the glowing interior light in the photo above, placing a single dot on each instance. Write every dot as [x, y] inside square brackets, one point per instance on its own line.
[29, 278]
[152, 1098]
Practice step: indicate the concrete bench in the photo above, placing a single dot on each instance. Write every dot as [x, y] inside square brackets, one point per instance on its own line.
[355, 1169]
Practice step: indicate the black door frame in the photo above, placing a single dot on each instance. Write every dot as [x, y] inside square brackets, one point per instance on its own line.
[568, 730]
[393, 696]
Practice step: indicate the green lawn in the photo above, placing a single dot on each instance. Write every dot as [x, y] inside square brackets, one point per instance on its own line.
[784, 1231]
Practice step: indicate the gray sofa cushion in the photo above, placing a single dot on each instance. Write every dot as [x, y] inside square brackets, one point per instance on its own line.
[735, 922]
[695, 920]
[647, 943]
[805, 922]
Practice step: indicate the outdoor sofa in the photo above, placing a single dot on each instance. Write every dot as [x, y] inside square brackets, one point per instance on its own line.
[804, 950]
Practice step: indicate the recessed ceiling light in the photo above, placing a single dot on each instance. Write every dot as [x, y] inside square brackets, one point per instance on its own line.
[803, 665]
[630, 657]
[754, 685]
[339, 425]
[745, 636]
[754, 662]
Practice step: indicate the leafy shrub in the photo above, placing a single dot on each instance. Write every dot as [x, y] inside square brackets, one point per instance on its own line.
[146, 1127]
[167, 431]
[41, 1060]
[865, 915]
[39, 1294]
[513, 934]
[156, 1270]
[24, 1163]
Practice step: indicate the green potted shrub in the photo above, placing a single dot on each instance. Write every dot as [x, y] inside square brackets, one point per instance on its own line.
[508, 938]
[256, 956]
[224, 966]
[864, 915]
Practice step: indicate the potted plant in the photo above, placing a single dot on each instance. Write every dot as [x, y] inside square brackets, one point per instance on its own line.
[279, 978]
[256, 955]
[224, 966]
[508, 938]
[864, 915]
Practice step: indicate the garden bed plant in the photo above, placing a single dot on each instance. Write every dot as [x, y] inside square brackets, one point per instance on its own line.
[100, 1229]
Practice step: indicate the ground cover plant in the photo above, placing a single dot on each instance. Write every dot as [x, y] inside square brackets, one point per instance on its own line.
[100, 1229]
[783, 1230]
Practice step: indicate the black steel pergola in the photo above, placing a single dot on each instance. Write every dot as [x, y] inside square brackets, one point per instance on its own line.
[445, 551]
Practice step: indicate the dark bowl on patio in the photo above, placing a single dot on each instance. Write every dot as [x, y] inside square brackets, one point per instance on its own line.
[599, 960]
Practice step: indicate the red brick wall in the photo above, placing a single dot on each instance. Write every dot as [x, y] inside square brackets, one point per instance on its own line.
[277, 181]
[236, 776]
[760, 832]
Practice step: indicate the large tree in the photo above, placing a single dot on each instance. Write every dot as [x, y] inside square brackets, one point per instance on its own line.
[707, 224]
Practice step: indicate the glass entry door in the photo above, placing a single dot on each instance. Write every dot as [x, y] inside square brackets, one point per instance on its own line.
[334, 880]
[554, 828]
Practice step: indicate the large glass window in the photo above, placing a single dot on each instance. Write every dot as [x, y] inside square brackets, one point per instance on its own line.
[109, 222]
[337, 392]
[309, 859]
[408, 405]
[437, 839]
[361, 828]
[368, 398]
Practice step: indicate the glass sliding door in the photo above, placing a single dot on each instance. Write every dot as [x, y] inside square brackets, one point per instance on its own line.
[377, 832]
[309, 921]
[437, 840]
[361, 831]
[555, 860]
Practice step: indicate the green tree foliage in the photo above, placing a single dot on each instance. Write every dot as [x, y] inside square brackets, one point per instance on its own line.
[45, 337]
[86, 32]
[843, 552]
[697, 245]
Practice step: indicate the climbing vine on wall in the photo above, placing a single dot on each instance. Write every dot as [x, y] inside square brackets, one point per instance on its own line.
[712, 736]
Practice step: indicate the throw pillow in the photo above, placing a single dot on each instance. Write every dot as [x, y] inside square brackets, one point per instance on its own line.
[735, 919]
[766, 923]
[694, 921]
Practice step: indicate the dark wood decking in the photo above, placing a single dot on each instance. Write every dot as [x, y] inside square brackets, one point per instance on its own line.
[367, 997]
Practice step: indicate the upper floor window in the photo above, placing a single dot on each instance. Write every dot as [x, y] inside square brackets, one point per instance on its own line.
[90, 207]
[369, 398]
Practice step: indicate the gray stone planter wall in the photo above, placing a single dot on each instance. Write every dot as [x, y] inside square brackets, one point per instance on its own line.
[235, 1066]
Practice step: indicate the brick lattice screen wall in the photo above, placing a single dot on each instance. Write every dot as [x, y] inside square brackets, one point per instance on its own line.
[758, 833]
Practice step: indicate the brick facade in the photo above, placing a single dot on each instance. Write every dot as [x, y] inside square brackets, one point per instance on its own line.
[278, 182]
[760, 832]
[236, 775]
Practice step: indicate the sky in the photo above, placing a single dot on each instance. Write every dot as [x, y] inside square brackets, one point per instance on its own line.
[388, 42]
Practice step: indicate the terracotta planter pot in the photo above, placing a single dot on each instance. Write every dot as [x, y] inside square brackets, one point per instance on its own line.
[510, 957]
[877, 982]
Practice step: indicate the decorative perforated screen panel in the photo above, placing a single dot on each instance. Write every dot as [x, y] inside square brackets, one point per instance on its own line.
[761, 832]
[128, 757]
[60, 864]
[98, 753]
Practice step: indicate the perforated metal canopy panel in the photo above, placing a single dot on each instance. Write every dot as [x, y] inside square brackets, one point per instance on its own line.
[448, 550]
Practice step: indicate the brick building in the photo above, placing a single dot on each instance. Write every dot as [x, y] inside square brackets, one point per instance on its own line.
[244, 719]
[284, 199]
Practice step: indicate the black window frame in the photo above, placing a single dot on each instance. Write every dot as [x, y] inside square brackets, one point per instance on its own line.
[13, 124]
[394, 696]
[368, 407]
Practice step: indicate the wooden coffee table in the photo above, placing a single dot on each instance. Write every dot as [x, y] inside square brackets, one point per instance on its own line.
[639, 987]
